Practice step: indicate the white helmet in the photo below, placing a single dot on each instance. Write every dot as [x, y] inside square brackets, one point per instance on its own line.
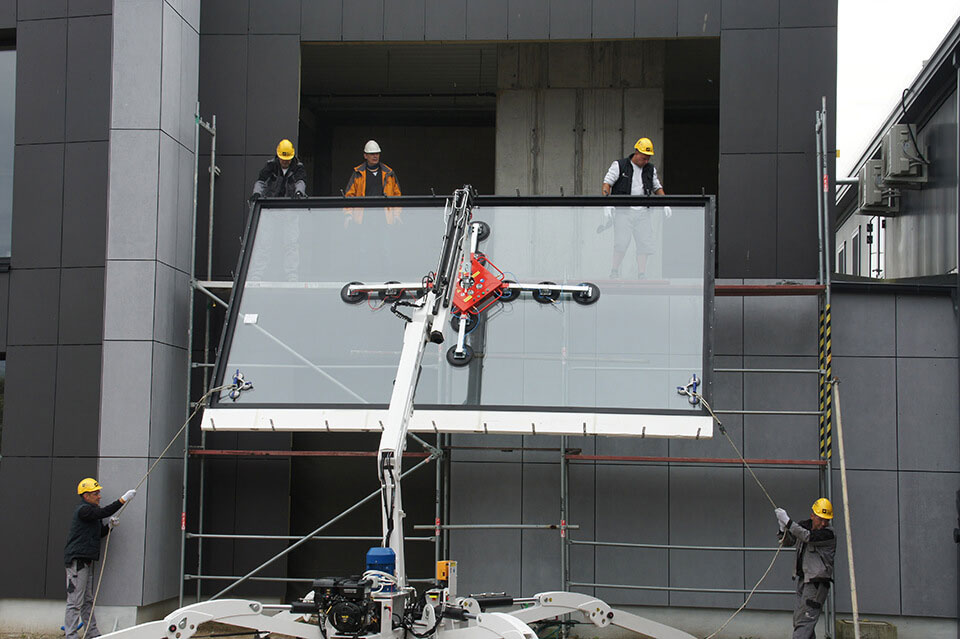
[371, 147]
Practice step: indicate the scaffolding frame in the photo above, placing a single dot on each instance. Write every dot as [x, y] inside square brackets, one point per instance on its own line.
[441, 452]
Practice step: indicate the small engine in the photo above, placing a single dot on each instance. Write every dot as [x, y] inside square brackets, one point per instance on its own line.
[347, 604]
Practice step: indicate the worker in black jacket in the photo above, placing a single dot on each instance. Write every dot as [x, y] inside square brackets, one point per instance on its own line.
[82, 549]
[276, 252]
[816, 547]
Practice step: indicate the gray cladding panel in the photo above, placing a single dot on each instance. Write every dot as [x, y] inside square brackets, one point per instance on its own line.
[743, 215]
[42, 10]
[161, 577]
[797, 234]
[878, 543]
[231, 193]
[228, 16]
[866, 324]
[37, 206]
[446, 19]
[868, 405]
[321, 20]
[927, 414]
[259, 481]
[813, 13]
[168, 396]
[926, 326]
[781, 436]
[808, 71]
[132, 209]
[698, 18]
[224, 92]
[570, 19]
[34, 296]
[129, 300]
[488, 561]
[20, 477]
[89, 7]
[656, 18]
[275, 16]
[540, 549]
[4, 309]
[403, 20]
[748, 99]
[76, 422]
[632, 506]
[65, 474]
[928, 578]
[363, 20]
[750, 14]
[728, 325]
[272, 91]
[528, 19]
[41, 79]
[29, 401]
[613, 19]
[137, 65]
[125, 398]
[125, 587]
[583, 497]
[486, 19]
[81, 306]
[8, 14]
[84, 204]
[88, 78]
[780, 325]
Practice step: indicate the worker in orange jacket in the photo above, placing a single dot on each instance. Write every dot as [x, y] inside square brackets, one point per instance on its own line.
[372, 178]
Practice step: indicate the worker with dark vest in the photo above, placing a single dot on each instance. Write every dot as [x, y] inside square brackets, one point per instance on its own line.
[633, 175]
[81, 550]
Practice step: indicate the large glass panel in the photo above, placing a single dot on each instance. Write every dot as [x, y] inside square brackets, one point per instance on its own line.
[8, 84]
[300, 344]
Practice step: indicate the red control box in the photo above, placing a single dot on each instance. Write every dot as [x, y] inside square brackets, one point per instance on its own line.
[480, 289]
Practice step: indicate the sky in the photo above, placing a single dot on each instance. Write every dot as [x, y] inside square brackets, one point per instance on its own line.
[881, 46]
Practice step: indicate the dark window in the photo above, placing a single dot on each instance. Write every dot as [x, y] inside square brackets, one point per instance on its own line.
[8, 83]
[842, 259]
[855, 252]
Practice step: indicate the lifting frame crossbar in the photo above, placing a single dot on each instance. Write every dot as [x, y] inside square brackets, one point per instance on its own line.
[441, 538]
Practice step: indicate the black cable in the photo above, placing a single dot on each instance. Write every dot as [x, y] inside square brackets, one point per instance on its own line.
[913, 138]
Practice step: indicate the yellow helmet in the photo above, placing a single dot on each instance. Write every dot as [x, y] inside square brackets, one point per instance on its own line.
[823, 508]
[644, 145]
[285, 150]
[88, 485]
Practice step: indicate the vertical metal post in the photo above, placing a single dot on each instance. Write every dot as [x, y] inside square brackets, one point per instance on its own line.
[564, 516]
[437, 497]
[186, 431]
[819, 201]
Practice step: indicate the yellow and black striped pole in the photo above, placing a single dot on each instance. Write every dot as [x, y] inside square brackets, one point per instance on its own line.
[826, 400]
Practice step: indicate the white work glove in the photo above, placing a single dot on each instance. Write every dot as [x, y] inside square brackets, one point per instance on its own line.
[127, 496]
[667, 211]
[782, 517]
[608, 213]
[114, 521]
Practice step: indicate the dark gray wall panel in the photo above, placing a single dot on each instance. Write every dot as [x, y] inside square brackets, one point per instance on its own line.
[868, 401]
[488, 561]
[321, 20]
[528, 20]
[613, 18]
[486, 19]
[540, 549]
[750, 14]
[813, 13]
[926, 404]
[221, 501]
[37, 206]
[446, 19]
[656, 18]
[864, 324]
[231, 217]
[81, 306]
[8, 14]
[273, 102]
[275, 16]
[929, 580]
[808, 71]
[41, 53]
[926, 327]
[748, 95]
[65, 475]
[764, 319]
[89, 44]
[226, 16]
[783, 436]
[698, 18]
[29, 401]
[634, 446]
[746, 223]
[34, 299]
[21, 479]
[727, 325]
[877, 559]
[89, 7]
[570, 19]
[223, 91]
[259, 512]
[583, 505]
[41, 9]
[797, 235]
[403, 20]
[85, 166]
[645, 520]
[76, 424]
[363, 20]
[4, 308]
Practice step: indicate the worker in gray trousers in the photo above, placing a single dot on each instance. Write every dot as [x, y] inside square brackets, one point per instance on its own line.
[816, 547]
[82, 550]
